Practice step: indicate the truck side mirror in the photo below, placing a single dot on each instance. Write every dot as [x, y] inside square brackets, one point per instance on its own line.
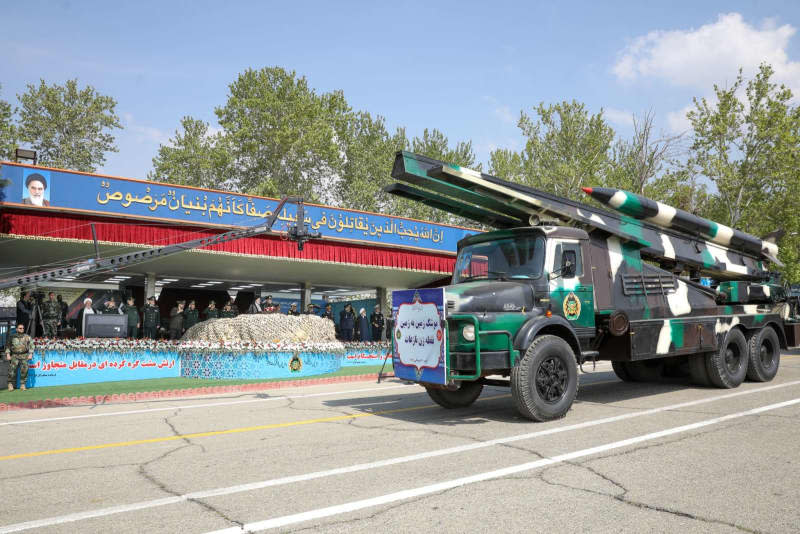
[568, 261]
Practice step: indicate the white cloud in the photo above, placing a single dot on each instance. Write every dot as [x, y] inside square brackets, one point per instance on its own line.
[143, 133]
[501, 111]
[620, 117]
[712, 53]
[677, 121]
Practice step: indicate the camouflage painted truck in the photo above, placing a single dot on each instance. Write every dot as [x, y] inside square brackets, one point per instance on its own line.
[560, 282]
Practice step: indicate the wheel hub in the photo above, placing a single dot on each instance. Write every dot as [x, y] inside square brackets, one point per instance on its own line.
[551, 380]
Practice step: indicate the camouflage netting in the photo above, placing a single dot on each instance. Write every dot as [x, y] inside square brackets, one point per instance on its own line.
[274, 328]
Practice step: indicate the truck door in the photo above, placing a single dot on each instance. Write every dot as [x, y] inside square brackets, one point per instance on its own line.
[571, 294]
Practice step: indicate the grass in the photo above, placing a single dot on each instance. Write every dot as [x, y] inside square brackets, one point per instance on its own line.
[158, 384]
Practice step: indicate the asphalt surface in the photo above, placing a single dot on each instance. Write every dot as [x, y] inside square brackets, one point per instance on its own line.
[629, 457]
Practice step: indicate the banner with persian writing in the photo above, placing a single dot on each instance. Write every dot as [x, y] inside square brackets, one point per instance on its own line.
[50, 189]
[418, 337]
[59, 368]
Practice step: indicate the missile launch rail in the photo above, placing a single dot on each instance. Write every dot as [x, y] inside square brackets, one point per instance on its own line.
[560, 282]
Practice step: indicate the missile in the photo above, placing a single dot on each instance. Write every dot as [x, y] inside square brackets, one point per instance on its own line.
[665, 216]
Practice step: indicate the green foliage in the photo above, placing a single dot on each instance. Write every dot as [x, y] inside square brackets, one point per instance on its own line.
[194, 156]
[67, 126]
[284, 138]
[367, 167]
[747, 146]
[8, 131]
[566, 148]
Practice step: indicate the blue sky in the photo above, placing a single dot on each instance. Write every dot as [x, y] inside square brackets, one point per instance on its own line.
[467, 68]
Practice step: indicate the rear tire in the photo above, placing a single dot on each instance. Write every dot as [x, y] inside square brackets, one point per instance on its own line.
[545, 381]
[621, 370]
[465, 395]
[727, 367]
[646, 370]
[764, 355]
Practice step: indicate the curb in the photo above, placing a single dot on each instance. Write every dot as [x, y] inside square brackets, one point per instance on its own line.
[182, 393]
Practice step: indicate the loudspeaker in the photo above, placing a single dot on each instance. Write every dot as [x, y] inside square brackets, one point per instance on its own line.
[106, 325]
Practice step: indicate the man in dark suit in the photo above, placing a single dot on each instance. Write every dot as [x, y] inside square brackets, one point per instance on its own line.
[36, 185]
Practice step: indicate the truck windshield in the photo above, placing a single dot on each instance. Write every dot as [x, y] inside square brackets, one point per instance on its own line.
[513, 258]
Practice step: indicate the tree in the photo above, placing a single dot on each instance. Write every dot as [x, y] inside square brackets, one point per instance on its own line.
[67, 126]
[566, 148]
[195, 157]
[747, 143]
[369, 155]
[742, 146]
[637, 164]
[8, 131]
[284, 137]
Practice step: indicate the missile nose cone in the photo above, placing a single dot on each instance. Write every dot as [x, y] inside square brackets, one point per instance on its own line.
[587, 190]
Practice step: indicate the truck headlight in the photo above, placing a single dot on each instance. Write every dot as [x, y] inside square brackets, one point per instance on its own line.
[468, 332]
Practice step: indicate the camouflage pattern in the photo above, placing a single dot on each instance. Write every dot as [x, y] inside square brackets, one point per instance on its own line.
[665, 216]
[19, 348]
[485, 198]
[664, 313]
[51, 316]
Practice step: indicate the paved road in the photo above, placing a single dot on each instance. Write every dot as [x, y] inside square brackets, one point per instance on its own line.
[660, 457]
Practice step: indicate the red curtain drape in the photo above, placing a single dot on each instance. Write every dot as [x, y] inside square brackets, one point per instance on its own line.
[62, 226]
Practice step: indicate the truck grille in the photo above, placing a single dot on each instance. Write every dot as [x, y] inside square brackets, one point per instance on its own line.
[451, 306]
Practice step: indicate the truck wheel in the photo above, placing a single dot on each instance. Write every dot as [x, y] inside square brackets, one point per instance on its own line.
[646, 370]
[465, 395]
[545, 381]
[727, 367]
[621, 370]
[764, 355]
[697, 369]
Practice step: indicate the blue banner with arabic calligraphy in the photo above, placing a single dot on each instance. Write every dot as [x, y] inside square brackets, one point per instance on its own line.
[64, 190]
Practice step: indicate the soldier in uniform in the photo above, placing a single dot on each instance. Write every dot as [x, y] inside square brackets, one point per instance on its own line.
[133, 319]
[19, 351]
[51, 315]
[152, 318]
[176, 321]
[64, 310]
[227, 312]
[234, 307]
[211, 312]
[110, 308]
[293, 310]
[191, 316]
[328, 312]
[377, 322]
[269, 306]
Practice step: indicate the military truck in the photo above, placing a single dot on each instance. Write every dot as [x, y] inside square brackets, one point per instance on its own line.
[557, 283]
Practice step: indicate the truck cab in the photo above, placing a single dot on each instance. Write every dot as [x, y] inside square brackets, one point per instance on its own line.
[509, 286]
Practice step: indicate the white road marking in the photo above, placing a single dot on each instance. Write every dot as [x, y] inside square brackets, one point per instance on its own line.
[489, 475]
[216, 492]
[204, 405]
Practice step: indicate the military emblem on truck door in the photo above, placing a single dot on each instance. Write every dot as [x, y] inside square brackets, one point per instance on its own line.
[572, 307]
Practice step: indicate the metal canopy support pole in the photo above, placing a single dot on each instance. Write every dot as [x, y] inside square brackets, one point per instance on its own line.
[149, 285]
[305, 296]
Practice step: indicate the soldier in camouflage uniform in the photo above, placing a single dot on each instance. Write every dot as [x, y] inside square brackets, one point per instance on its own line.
[133, 318]
[18, 351]
[227, 312]
[152, 318]
[51, 316]
[191, 316]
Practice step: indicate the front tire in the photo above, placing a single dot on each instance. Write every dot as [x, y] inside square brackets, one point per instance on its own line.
[545, 381]
[764, 355]
[465, 395]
